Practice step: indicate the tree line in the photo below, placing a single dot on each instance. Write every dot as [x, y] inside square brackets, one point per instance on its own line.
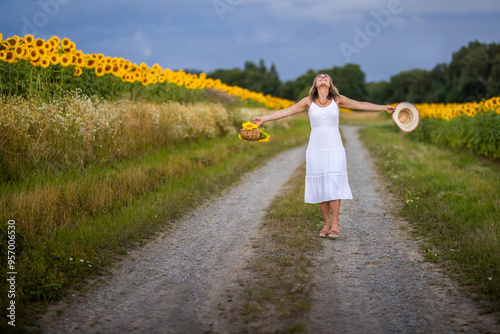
[472, 75]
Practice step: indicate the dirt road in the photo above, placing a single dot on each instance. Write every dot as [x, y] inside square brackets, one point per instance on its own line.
[373, 279]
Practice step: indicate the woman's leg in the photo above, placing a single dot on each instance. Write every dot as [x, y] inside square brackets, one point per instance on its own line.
[335, 207]
[325, 210]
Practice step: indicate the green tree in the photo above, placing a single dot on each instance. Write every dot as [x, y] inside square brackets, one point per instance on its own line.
[253, 77]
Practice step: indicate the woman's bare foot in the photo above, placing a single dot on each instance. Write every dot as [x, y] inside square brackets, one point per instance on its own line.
[325, 231]
[335, 230]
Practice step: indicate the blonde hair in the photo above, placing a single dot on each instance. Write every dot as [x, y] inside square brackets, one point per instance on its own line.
[333, 92]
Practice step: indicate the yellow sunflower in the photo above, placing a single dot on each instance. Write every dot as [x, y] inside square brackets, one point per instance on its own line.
[65, 43]
[39, 43]
[37, 62]
[66, 60]
[29, 39]
[34, 54]
[91, 63]
[495, 102]
[78, 71]
[20, 52]
[10, 57]
[48, 46]
[116, 71]
[99, 70]
[55, 41]
[126, 65]
[13, 41]
[54, 59]
[79, 61]
[3, 55]
[44, 62]
[249, 126]
[108, 68]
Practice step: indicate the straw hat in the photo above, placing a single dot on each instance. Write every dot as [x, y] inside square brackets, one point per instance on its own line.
[406, 116]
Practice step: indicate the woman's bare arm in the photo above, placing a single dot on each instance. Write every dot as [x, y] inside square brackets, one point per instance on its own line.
[282, 113]
[348, 103]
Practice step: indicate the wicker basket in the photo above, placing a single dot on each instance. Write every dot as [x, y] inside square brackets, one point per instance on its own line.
[252, 135]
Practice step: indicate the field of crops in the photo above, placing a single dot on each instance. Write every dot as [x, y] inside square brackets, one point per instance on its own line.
[473, 126]
[55, 57]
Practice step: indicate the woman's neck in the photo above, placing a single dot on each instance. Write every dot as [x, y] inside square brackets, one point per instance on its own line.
[323, 93]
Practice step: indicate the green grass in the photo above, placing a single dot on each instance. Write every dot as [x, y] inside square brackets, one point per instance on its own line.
[58, 255]
[452, 199]
[282, 266]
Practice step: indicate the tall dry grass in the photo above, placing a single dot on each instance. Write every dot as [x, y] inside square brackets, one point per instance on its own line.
[41, 141]
[77, 131]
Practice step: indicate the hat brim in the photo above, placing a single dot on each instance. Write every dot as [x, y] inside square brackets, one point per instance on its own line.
[409, 111]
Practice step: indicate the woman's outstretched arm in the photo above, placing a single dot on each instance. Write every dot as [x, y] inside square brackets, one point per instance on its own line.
[348, 103]
[282, 113]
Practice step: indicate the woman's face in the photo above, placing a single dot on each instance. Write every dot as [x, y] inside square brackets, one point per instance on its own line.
[322, 80]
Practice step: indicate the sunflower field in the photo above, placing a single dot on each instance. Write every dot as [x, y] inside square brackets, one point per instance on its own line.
[474, 126]
[31, 65]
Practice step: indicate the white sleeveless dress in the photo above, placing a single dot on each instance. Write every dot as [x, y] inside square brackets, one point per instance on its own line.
[326, 167]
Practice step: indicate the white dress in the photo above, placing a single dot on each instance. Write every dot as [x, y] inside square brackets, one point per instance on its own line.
[326, 167]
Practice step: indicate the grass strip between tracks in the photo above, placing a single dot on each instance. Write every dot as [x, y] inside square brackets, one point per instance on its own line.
[279, 291]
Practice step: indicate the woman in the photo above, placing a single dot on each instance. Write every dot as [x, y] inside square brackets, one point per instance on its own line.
[326, 169]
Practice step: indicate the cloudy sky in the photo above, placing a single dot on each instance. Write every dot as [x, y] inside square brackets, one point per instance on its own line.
[384, 37]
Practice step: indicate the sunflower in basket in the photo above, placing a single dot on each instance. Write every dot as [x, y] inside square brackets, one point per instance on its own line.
[251, 132]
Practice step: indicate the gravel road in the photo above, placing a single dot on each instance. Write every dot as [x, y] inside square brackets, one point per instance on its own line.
[373, 279]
